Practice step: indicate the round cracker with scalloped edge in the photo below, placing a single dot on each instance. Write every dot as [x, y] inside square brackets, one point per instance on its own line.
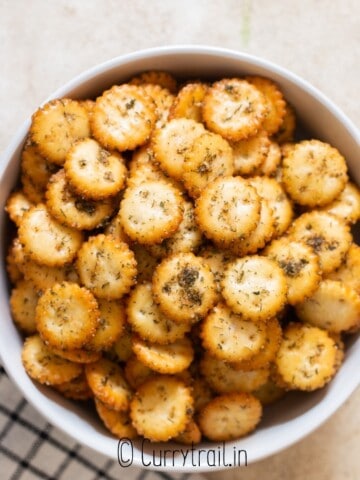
[334, 306]
[72, 210]
[56, 126]
[228, 209]
[163, 100]
[142, 159]
[143, 155]
[250, 154]
[106, 267]
[272, 191]
[172, 143]
[224, 377]
[167, 359]
[123, 117]
[93, 172]
[161, 408]
[349, 271]
[347, 205]
[16, 205]
[258, 238]
[275, 104]
[230, 416]
[234, 108]
[189, 101]
[307, 357]
[187, 237]
[111, 324]
[267, 352]
[329, 237]
[254, 287]
[106, 380]
[314, 173]
[23, 301]
[117, 422]
[209, 157]
[286, 131]
[300, 265]
[271, 163]
[151, 211]
[45, 240]
[156, 77]
[216, 259]
[67, 316]
[147, 320]
[45, 367]
[229, 337]
[184, 287]
[35, 172]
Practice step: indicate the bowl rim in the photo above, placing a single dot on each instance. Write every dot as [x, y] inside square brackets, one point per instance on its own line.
[182, 50]
[34, 396]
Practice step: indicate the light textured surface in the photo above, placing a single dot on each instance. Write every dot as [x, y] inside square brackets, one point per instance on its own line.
[45, 43]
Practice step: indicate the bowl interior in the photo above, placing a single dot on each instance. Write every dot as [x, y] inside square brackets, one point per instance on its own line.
[291, 418]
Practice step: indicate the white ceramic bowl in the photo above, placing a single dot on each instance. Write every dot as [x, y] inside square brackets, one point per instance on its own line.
[290, 419]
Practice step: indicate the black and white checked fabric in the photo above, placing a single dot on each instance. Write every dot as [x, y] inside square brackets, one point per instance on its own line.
[32, 449]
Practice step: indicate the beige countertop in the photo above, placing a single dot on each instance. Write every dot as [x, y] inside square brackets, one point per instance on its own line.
[45, 43]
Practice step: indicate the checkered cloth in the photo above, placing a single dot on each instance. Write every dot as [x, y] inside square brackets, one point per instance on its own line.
[32, 449]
